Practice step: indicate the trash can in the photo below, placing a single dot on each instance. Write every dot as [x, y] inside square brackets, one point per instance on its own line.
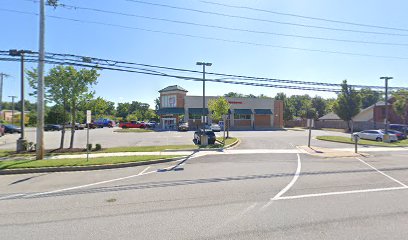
[204, 140]
[386, 138]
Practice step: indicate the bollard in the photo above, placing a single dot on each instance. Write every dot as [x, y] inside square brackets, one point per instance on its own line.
[355, 143]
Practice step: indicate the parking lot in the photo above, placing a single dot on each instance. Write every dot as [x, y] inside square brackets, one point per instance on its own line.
[108, 138]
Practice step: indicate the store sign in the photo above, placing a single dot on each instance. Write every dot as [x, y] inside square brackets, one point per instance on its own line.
[169, 101]
[234, 102]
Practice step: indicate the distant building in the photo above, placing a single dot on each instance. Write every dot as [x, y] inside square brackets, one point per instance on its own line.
[7, 115]
[245, 113]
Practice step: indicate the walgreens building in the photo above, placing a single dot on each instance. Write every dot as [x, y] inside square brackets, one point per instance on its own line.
[245, 113]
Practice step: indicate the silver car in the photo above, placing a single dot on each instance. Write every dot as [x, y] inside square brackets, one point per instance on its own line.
[215, 127]
[376, 135]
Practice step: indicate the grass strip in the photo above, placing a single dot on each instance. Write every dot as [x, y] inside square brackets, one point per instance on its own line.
[340, 139]
[18, 164]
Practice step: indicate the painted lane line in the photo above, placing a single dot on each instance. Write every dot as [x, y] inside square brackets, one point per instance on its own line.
[11, 196]
[340, 193]
[238, 216]
[92, 184]
[295, 177]
[381, 172]
[291, 183]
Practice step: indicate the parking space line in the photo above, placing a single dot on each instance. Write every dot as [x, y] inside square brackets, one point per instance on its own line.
[11, 196]
[340, 193]
[388, 176]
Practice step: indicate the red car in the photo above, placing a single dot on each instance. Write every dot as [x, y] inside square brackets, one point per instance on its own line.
[2, 130]
[132, 124]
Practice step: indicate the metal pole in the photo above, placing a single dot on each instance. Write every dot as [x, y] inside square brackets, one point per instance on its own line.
[386, 105]
[40, 94]
[203, 96]
[310, 134]
[1, 90]
[355, 143]
[87, 143]
[22, 119]
[12, 108]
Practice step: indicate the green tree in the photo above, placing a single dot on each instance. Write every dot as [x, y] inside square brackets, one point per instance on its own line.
[157, 104]
[218, 108]
[122, 110]
[329, 104]
[234, 94]
[68, 87]
[287, 107]
[348, 103]
[319, 104]
[369, 97]
[400, 105]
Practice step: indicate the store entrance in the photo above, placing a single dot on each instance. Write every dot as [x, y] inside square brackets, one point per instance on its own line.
[169, 123]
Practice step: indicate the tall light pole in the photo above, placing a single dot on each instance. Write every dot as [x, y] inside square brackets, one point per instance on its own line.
[12, 108]
[386, 102]
[40, 86]
[21, 141]
[204, 64]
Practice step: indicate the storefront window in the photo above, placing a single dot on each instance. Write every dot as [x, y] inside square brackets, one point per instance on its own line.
[194, 116]
[169, 101]
[242, 116]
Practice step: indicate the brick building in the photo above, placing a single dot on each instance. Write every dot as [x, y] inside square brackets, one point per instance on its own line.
[245, 113]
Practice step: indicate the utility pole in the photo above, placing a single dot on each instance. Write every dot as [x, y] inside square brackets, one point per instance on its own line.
[386, 106]
[203, 113]
[40, 86]
[12, 108]
[21, 143]
[2, 76]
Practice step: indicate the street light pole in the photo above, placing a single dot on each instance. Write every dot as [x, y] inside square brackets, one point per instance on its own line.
[386, 102]
[203, 111]
[2, 75]
[12, 108]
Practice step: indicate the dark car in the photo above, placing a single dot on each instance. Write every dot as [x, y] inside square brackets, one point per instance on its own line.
[2, 130]
[52, 127]
[11, 129]
[208, 132]
[399, 127]
[399, 134]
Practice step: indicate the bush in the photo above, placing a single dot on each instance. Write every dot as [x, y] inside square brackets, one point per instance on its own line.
[89, 147]
[98, 147]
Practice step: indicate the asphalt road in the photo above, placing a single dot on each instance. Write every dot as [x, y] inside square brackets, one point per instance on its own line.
[228, 196]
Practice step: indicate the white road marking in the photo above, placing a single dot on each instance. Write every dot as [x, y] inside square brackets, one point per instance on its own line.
[291, 183]
[395, 180]
[93, 184]
[238, 216]
[340, 193]
[11, 196]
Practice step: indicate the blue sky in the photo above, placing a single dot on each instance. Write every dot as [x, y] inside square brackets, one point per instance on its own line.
[20, 31]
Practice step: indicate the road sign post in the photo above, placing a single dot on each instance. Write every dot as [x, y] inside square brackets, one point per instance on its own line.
[88, 121]
[310, 124]
[356, 143]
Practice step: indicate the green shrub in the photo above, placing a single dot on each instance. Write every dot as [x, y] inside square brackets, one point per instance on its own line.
[98, 147]
[89, 147]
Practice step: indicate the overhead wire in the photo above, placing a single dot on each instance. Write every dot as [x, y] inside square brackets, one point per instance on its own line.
[212, 38]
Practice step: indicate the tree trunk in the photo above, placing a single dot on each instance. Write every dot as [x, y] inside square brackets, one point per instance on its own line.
[73, 112]
[63, 126]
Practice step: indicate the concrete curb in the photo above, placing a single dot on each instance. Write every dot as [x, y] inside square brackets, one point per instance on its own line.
[207, 149]
[86, 168]
[359, 144]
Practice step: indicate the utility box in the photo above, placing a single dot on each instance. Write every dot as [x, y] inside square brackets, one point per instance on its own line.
[204, 140]
[386, 138]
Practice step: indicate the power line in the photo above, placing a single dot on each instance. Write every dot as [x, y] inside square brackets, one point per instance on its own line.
[300, 16]
[212, 38]
[72, 59]
[72, 7]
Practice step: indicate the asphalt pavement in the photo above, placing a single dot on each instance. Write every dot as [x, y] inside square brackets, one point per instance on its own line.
[221, 196]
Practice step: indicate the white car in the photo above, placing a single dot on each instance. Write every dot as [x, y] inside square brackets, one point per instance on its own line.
[376, 135]
[215, 127]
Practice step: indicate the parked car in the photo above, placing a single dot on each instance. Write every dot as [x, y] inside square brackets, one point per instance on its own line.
[151, 124]
[78, 126]
[399, 127]
[215, 127]
[399, 134]
[132, 124]
[90, 125]
[2, 130]
[183, 127]
[376, 135]
[208, 132]
[52, 127]
[9, 128]
[104, 122]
